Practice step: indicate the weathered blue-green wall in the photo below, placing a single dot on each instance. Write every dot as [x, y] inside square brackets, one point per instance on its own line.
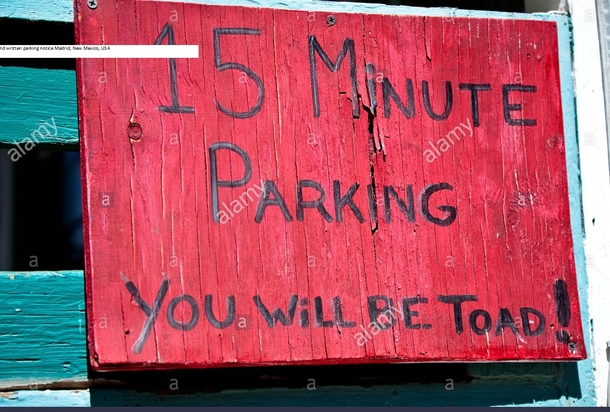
[30, 98]
[42, 328]
[41, 341]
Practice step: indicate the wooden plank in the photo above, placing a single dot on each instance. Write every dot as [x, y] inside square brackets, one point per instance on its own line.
[42, 328]
[503, 377]
[39, 110]
[501, 218]
[46, 398]
[50, 10]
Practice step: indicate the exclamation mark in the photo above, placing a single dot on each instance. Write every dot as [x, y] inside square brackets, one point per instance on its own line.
[562, 308]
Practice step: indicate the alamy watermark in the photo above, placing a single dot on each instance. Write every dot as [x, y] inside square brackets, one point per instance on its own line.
[237, 205]
[28, 143]
[445, 143]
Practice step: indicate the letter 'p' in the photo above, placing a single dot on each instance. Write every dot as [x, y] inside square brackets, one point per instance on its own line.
[215, 183]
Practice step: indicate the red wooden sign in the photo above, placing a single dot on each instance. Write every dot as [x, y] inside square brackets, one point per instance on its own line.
[324, 188]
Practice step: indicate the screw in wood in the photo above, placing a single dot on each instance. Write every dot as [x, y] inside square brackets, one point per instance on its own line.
[331, 20]
[92, 4]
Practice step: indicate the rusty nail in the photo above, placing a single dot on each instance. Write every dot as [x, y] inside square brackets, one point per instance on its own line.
[92, 4]
[331, 20]
[134, 131]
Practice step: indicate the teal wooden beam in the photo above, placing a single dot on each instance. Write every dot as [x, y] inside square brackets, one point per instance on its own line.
[49, 10]
[42, 329]
[39, 106]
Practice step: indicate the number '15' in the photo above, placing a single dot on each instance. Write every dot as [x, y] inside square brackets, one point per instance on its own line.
[175, 106]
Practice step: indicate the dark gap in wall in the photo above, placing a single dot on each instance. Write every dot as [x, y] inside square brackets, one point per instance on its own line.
[215, 380]
[47, 214]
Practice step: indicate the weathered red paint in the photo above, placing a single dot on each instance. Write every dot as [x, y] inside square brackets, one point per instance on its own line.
[148, 197]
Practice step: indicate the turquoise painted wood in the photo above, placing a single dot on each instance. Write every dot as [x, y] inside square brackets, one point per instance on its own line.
[40, 105]
[52, 92]
[42, 328]
[46, 398]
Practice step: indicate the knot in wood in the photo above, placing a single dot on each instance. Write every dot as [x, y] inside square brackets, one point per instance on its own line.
[134, 131]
